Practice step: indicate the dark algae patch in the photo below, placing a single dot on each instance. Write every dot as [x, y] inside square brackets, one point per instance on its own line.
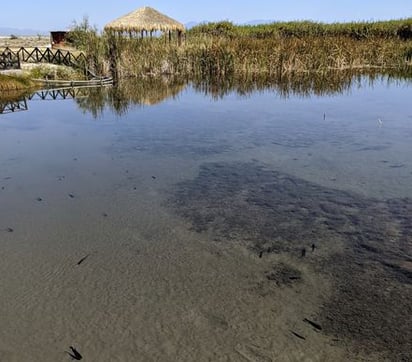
[283, 274]
[364, 246]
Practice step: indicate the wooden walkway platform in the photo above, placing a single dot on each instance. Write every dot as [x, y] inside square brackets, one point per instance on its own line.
[94, 82]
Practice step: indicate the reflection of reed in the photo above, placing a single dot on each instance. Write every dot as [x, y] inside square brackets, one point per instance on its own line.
[153, 90]
[304, 84]
[147, 91]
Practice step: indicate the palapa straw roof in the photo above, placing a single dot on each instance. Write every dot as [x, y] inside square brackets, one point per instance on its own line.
[144, 19]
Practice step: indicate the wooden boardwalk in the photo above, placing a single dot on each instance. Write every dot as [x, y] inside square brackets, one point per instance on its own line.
[95, 81]
[37, 55]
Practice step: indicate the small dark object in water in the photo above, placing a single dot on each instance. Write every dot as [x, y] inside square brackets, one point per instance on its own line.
[74, 159]
[313, 324]
[134, 188]
[71, 196]
[154, 177]
[127, 171]
[298, 335]
[313, 247]
[324, 116]
[269, 250]
[10, 230]
[294, 278]
[105, 215]
[2, 187]
[260, 254]
[83, 259]
[303, 252]
[39, 199]
[7, 178]
[75, 354]
[60, 178]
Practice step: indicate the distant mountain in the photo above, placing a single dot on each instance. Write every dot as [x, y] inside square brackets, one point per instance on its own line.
[21, 32]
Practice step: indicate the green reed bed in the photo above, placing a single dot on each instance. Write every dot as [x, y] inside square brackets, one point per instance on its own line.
[223, 49]
[358, 30]
[223, 56]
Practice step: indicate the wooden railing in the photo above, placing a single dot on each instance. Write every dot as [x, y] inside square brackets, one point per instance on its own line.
[59, 93]
[9, 61]
[16, 105]
[13, 106]
[37, 55]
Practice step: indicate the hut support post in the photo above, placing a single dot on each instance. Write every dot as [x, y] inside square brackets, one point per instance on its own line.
[113, 58]
[179, 38]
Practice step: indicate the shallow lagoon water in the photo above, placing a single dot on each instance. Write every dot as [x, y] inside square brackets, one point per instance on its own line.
[174, 229]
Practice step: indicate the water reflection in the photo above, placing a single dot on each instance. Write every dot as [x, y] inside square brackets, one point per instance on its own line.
[13, 102]
[143, 92]
[297, 84]
[150, 91]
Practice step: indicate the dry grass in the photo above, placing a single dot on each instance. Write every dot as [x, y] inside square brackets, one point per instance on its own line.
[13, 82]
[28, 42]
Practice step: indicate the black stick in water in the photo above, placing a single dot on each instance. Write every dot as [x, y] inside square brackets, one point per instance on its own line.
[83, 259]
[75, 354]
[313, 324]
[298, 335]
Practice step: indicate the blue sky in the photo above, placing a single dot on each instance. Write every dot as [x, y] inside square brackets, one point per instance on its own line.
[57, 15]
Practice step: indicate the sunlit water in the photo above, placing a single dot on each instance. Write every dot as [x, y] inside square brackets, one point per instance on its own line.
[112, 186]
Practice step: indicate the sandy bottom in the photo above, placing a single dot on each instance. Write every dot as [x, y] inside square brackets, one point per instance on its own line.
[153, 238]
[149, 289]
[116, 275]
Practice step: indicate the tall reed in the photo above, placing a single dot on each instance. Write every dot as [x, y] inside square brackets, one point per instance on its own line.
[223, 49]
[221, 56]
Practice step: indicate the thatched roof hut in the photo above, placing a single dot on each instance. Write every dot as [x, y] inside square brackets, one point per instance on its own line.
[146, 20]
